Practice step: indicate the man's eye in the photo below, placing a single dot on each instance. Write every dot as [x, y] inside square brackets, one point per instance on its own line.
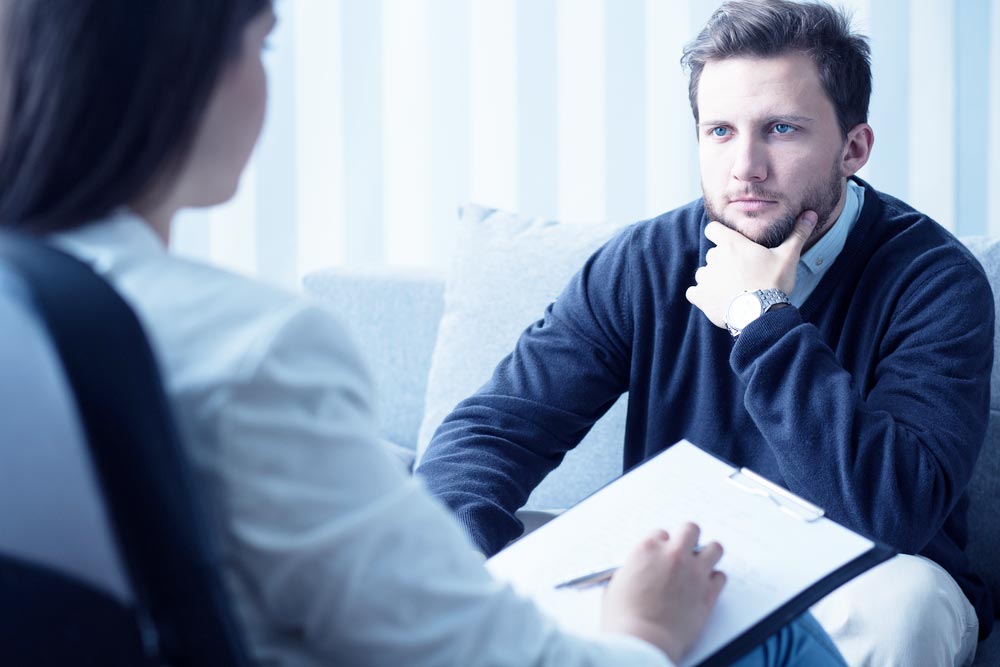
[720, 131]
[783, 128]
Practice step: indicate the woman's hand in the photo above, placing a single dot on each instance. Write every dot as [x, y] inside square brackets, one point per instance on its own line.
[664, 591]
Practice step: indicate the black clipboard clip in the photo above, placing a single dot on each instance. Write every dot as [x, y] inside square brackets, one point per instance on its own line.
[749, 481]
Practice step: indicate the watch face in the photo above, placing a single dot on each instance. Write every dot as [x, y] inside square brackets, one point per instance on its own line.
[743, 310]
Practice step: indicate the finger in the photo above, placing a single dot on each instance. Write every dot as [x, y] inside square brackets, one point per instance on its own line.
[656, 539]
[687, 537]
[719, 234]
[716, 581]
[716, 232]
[714, 250]
[711, 554]
[689, 294]
[699, 275]
[803, 229]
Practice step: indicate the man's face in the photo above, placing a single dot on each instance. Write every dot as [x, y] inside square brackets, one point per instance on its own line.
[769, 146]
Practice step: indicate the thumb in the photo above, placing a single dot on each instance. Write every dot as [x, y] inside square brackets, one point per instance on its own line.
[803, 229]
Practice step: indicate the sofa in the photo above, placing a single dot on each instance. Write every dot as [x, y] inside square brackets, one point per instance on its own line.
[432, 338]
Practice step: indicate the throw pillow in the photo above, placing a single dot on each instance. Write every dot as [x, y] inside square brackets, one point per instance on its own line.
[507, 269]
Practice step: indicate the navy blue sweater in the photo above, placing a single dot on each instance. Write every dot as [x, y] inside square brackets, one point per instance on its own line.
[871, 400]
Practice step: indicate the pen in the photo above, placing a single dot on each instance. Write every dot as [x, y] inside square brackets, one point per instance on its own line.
[588, 580]
[600, 577]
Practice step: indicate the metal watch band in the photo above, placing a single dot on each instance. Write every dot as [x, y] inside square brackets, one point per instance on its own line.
[771, 297]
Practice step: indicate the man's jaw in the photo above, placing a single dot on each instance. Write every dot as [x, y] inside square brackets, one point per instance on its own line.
[768, 227]
[759, 215]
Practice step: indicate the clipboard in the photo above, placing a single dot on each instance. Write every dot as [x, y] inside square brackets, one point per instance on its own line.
[782, 554]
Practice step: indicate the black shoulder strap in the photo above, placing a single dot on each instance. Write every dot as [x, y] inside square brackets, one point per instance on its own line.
[143, 469]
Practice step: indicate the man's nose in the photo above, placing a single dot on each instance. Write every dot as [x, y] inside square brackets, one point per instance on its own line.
[750, 163]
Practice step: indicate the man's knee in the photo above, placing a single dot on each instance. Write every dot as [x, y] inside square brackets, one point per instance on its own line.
[905, 608]
[918, 593]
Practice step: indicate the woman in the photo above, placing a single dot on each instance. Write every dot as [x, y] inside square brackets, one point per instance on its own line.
[116, 114]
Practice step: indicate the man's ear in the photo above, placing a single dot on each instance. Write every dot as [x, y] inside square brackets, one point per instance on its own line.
[857, 149]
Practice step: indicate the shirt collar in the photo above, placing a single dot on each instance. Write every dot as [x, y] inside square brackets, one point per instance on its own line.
[103, 243]
[826, 250]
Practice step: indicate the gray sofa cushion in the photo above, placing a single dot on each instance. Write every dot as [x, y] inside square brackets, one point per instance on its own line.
[984, 516]
[984, 519]
[393, 315]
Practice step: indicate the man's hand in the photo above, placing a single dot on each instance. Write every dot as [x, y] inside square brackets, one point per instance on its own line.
[664, 591]
[736, 265]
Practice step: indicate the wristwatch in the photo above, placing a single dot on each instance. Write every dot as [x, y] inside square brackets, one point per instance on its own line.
[748, 306]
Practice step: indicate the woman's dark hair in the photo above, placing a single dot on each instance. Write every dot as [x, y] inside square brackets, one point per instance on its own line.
[100, 100]
[767, 28]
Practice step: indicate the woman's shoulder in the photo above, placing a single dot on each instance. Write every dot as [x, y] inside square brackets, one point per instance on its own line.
[211, 326]
[234, 318]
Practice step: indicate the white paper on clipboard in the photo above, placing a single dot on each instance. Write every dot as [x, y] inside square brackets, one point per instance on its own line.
[776, 544]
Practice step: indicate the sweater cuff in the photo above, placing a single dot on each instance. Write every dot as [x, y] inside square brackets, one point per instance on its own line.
[486, 542]
[760, 335]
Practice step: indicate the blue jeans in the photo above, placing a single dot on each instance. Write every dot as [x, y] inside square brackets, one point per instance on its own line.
[802, 642]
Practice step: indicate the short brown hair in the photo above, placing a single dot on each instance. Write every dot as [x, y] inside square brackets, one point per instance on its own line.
[767, 28]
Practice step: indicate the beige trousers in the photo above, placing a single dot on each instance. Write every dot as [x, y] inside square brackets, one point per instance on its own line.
[908, 611]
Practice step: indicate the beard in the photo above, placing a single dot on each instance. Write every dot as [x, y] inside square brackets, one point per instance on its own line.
[821, 197]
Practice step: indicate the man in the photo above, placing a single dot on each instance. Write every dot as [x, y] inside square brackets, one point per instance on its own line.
[794, 320]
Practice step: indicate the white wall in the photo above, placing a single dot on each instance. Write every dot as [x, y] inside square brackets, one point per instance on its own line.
[386, 115]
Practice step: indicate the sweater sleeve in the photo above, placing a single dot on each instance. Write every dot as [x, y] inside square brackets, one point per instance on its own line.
[564, 373]
[897, 447]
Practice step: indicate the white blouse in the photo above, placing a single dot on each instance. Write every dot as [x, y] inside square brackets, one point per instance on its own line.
[333, 555]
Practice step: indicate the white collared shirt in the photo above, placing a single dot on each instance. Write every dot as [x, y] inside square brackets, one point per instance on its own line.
[334, 556]
[816, 261]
